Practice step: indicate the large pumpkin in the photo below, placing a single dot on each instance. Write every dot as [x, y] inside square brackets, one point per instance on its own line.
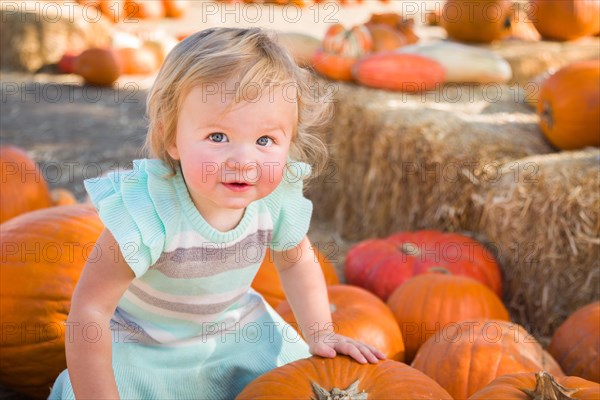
[43, 253]
[538, 385]
[343, 378]
[466, 357]
[267, 282]
[360, 315]
[24, 187]
[480, 21]
[569, 106]
[429, 303]
[565, 19]
[576, 343]
[381, 265]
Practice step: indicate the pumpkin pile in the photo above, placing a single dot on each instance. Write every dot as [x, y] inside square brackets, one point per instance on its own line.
[132, 10]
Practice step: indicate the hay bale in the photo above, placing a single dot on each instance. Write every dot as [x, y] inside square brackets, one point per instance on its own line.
[403, 162]
[542, 216]
[34, 33]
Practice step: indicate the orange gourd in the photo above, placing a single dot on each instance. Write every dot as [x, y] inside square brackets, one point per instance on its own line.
[23, 185]
[267, 282]
[43, 253]
[144, 9]
[403, 26]
[360, 315]
[98, 66]
[353, 42]
[138, 61]
[403, 72]
[576, 343]
[465, 357]
[333, 66]
[431, 302]
[343, 378]
[569, 106]
[175, 8]
[480, 21]
[538, 385]
[565, 19]
[385, 38]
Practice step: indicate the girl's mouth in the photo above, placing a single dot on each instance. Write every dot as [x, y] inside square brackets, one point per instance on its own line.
[237, 186]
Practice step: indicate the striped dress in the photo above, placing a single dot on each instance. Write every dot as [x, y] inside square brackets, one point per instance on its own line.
[190, 326]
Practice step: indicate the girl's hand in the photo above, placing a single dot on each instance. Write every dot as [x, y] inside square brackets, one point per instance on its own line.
[327, 344]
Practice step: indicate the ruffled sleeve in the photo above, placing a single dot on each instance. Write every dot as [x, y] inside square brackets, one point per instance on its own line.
[136, 206]
[289, 209]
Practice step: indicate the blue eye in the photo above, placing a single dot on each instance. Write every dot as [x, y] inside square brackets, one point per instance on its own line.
[218, 137]
[264, 141]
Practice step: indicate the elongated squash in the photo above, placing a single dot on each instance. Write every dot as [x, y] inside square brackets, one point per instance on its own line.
[464, 63]
[403, 72]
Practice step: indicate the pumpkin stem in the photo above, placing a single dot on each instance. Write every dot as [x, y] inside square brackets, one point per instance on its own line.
[410, 249]
[546, 388]
[546, 116]
[350, 393]
[439, 270]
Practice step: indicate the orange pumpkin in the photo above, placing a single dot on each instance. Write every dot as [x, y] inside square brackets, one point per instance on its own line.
[481, 21]
[62, 197]
[23, 185]
[43, 253]
[359, 315]
[395, 71]
[465, 357]
[565, 19]
[569, 106]
[343, 378]
[576, 343]
[385, 38]
[333, 66]
[428, 303]
[538, 385]
[144, 9]
[175, 8]
[98, 66]
[267, 283]
[404, 27]
[112, 9]
[138, 61]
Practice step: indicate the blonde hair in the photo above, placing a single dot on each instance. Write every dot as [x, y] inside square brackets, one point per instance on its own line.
[248, 57]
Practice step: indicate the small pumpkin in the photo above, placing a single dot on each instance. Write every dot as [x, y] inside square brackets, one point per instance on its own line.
[404, 26]
[465, 357]
[267, 282]
[565, 19]
[538, 385]
[62, 197]
[480, 21]
[360, 315]
[98, 66]
[353, 42]
[36, 289]
[24, 188]
[385, 38]
[175, 8]
[569, 106]
[381, 265]
[343, 378]
[576, 343]
[333, 66]
[395, 71]
[138, 61]
[431, 302]
[144, 9]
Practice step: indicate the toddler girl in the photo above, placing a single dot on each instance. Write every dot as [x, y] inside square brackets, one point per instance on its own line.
[165, 310]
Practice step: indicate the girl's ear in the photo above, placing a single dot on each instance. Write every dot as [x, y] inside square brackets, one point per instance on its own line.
[173, 151]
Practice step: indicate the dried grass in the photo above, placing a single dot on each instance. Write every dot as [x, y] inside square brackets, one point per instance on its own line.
[405, 162]
[542, 216]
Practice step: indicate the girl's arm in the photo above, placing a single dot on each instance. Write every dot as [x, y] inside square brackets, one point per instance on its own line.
[88, 340]
[304, 285]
